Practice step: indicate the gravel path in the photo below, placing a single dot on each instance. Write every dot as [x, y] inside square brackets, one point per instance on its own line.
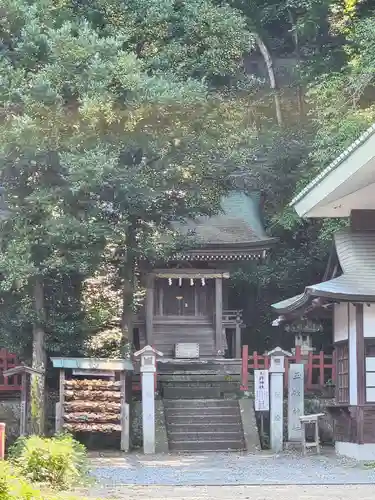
[361, 492]
[230, 469]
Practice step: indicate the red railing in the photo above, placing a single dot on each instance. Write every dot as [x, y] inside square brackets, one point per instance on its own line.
[8, 384]
[319, 368]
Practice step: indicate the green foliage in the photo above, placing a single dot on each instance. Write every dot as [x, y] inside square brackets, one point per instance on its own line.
[59, 462]
[114, 128]
[13, 486]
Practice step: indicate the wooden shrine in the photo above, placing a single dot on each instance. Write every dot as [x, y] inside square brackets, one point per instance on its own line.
[346, 189]
[92, 396]
[188, 298]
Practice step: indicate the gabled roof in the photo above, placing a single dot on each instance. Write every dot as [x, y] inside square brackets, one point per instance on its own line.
[356, 256]
[347, 183]
[237, 232]
[336, 162]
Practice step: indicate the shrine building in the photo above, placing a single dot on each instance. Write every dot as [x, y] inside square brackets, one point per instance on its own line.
[346, 190]
[187, 299]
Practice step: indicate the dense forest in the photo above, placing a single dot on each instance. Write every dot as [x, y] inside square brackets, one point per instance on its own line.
[120, 117]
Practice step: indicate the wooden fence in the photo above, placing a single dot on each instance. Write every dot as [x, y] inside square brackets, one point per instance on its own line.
[320, 369]
[8, 384]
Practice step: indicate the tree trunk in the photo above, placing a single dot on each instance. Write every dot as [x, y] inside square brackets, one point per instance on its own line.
[39, 361]
[272, 77]
[300, 97]
[128, 282]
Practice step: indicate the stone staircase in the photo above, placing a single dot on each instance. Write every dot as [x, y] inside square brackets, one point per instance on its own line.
[198, 425]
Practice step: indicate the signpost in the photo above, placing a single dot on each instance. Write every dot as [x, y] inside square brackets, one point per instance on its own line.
[295, 402]
[262, 395]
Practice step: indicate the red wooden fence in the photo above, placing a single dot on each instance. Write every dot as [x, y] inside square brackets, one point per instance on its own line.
[319, 368]
[8, 384]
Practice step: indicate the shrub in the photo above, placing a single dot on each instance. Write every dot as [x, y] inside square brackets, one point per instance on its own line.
[59, 462]
[12, 486]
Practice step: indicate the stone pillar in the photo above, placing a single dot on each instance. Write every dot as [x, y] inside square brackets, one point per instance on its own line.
[296, 407]
[219, 317]
[277, 398]
[148, 368]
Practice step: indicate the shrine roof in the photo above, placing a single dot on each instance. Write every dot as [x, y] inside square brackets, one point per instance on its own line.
[356, 256]
[237, 230]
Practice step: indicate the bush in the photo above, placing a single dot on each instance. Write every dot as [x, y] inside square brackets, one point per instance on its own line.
[60, 461]
[12, 486]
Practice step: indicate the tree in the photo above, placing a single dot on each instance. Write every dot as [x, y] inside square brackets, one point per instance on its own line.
[99, 151]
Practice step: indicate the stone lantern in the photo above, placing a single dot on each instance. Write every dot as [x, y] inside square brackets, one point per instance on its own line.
[303, 333]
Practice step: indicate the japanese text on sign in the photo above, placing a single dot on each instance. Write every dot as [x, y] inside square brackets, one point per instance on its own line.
[262, 395]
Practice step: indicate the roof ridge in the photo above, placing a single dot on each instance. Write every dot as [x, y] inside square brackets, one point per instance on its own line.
[334, 164]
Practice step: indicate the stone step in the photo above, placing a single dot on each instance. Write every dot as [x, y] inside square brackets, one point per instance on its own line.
[191, 392]
[207, 410]
[204, 427]
[183, 419]
[205, 436]
[202, 446]
[200, 403]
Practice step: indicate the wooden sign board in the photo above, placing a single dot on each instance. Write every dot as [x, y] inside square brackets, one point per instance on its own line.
[93, 373]
[261, 392]
[187, 351]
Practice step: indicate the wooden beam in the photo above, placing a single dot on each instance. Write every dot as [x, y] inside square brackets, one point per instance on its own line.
[149, 309]
[190, 273]
[219, 316]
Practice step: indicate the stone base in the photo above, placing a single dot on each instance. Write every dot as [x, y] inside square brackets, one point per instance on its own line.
[364, 451]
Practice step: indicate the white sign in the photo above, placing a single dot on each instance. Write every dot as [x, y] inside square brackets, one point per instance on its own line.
[187, 350]
[262, 393]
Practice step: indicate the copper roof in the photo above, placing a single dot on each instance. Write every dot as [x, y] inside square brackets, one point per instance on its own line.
[356, 255]
[237, 231]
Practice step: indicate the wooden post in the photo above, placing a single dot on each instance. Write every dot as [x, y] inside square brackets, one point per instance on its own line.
[245, 368]
[60, 405]
[238, 341]
[2, 441]
[23, 417]
[149, 309]
[219, 316]
[321, 368]
[309, 369]
[124, 415]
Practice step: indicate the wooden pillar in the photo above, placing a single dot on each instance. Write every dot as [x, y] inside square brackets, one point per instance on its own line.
[60, 404]
[149, 309]
[361, 373]
[219, 316]
[238, 346]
